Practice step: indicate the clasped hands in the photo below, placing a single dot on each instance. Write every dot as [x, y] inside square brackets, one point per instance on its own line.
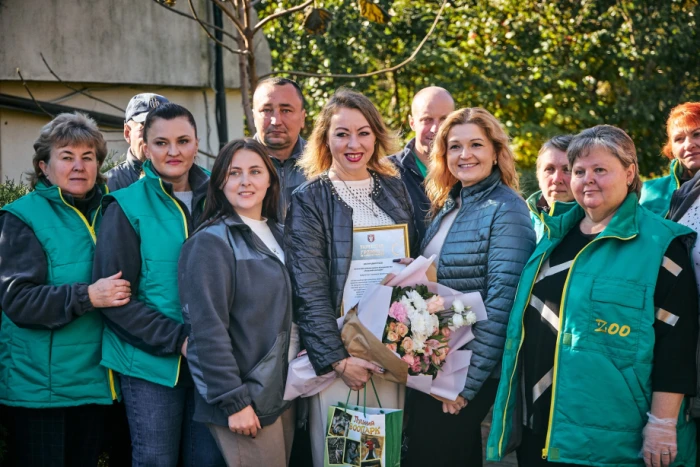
[355, 372]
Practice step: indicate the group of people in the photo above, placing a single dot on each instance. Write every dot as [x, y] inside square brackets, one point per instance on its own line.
[185, 293]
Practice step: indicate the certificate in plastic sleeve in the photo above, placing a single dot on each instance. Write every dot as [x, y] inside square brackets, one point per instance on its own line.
[374, 250]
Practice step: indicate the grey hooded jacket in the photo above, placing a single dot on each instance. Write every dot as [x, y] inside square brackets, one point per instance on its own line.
[237, 297]
[485, 251]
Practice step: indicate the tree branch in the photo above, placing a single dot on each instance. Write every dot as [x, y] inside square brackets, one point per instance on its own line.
[371, 73]
[236, 22]
[26, 86]
[77, 90]
[267, 19]
[209, 25]
[201, 23]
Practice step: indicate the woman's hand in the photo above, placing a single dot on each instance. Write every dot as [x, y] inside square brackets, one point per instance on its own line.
[245, 422]
[110, 291]
[454, 407]
[355, 372]
[183, 349]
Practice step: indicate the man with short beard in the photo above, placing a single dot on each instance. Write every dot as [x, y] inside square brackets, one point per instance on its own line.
[278, 111]
[430, 107]
[129, 171]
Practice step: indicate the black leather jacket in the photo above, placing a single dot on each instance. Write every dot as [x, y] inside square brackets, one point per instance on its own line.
[318, 248]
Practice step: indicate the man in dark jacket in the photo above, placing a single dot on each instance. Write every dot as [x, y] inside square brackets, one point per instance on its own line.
[429, 109]
[278, 111]
[127, 172]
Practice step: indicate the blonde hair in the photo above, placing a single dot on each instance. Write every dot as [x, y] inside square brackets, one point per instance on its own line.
[317, 157]
[440, 180]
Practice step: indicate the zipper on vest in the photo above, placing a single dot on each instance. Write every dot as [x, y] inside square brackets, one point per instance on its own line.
[517, 355]
[187, 234]
[555, 371]
[90, 227]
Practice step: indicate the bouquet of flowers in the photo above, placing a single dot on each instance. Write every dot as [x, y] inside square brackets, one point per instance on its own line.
[412, 328]
[419, 327]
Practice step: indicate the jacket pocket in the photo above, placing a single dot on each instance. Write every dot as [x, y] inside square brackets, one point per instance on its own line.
[616, 315]
[266, 380]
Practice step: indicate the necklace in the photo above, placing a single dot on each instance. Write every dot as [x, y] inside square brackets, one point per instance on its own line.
[359, 198]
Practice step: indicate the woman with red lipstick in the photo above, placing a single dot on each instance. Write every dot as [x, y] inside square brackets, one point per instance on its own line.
[482, 236]
[142, 234]
[239, 341]
[351, 185]
[683, 148]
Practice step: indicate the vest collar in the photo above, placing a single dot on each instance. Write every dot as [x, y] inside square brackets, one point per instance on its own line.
[624, 223]
[53, 193]
[197, 177]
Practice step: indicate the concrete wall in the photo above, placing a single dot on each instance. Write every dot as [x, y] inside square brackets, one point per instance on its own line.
[113, 41]
[19, 130]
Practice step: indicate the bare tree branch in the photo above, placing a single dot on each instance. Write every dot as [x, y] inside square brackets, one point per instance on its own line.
[209, 25]
[26, 86]
[201, 23]
[86, 94]
[231, 16]
[267, 19]
[371, 73]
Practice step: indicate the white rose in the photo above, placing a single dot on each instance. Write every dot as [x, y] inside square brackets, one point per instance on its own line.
[470, 318]
[418, 343]
[418, 301]
[458, 306]
[457, 322]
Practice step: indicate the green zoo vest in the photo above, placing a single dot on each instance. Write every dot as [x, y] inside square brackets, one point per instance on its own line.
[558, 209]
[601, 388]
[657, 193]
[60, 367]
[162, 228]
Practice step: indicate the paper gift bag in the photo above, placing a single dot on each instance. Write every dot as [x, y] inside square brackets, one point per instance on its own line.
[360, 436]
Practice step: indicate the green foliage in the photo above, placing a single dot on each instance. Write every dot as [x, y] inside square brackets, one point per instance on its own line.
[110, 161]
[543, 68]
[11, 190]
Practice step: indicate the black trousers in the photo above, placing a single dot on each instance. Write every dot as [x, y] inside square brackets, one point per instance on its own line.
[117, 436]
[61, 437]
[438, 439]
[529, 452]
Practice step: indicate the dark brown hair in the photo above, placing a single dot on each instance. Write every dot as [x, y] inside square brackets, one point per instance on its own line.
[64, 130]
[217, 206]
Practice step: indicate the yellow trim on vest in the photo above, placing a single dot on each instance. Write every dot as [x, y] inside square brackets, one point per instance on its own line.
[177, 375]
[112, 388]
[91, 228]
[184, 217]
[562, 309]
[515, 365]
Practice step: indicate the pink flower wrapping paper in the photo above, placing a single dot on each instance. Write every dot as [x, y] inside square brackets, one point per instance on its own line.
[373, 311]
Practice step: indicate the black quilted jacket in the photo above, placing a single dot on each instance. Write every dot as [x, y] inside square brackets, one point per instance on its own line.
[318, 249]
[485, 251]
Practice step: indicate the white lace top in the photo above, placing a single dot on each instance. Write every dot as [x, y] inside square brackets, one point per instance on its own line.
[365, 212]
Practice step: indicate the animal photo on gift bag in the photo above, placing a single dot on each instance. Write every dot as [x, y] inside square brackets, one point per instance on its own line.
[352, 452]
[336, 448]
[340, 423]
[371, 448]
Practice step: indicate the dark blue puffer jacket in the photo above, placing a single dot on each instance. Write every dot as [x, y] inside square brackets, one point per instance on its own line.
[485, 251]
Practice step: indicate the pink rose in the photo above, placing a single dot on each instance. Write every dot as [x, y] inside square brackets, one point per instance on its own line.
[392, 336]
[416, 367]
[442, 353]
[402, 329]
[435, 303]
[391, 347]
[407, 344]
[408, 359]
[446, 332]
[398, 312]
[392, 326]
[436, 359]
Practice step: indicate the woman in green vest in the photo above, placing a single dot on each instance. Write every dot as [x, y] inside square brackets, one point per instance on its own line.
[683, 148]
[554, 180]
[601, 338]
[145, 341]
[51, 335]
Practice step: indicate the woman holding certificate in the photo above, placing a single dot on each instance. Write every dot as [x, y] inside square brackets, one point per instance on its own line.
[351, 185]
[482, 235]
